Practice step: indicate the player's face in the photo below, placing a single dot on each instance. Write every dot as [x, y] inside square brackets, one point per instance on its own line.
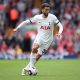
[45, 11]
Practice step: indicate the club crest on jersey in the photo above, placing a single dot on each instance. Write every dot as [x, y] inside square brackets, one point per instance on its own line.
[45, 27]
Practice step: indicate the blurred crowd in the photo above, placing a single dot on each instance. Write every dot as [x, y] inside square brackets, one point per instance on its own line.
[18, 45]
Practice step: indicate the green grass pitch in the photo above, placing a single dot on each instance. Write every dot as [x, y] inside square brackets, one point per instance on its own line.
[47, 70]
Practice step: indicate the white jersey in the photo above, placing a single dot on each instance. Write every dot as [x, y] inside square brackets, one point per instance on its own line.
[45, 26]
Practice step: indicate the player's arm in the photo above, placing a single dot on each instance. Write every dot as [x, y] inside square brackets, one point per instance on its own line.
[59, 25]
[32, 20]
[21, 24]
[60, 28]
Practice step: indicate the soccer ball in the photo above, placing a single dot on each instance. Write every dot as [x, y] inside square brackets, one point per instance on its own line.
[32, 71]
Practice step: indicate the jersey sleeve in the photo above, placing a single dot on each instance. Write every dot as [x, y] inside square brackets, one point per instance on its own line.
[56, 21]
[34, 19]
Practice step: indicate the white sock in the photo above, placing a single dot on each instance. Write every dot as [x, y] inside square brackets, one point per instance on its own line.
[32, 60]
[27, 67]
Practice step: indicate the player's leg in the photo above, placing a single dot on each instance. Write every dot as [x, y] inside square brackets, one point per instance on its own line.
[34, 57]
[34, 51]
[32, 63]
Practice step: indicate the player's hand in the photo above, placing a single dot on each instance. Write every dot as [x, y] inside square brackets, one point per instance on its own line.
[58, 36]
[15, 29]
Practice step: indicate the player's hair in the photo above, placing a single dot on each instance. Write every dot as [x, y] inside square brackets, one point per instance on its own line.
[44, 5]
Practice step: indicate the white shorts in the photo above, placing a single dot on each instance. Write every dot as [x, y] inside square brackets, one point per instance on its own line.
[43, 46]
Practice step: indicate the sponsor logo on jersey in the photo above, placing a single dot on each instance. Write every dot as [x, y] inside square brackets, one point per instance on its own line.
[45, 27]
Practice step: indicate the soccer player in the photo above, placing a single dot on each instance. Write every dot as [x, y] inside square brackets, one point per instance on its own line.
[45, 26]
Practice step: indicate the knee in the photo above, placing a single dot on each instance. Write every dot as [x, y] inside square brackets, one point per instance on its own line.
[34, 50]
[38, 57]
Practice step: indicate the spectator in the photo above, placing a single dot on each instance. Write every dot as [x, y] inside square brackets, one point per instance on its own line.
[18, 51]
[11, 52]
[13, 12]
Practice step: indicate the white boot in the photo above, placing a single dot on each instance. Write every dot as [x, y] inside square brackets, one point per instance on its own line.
[25, 70]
